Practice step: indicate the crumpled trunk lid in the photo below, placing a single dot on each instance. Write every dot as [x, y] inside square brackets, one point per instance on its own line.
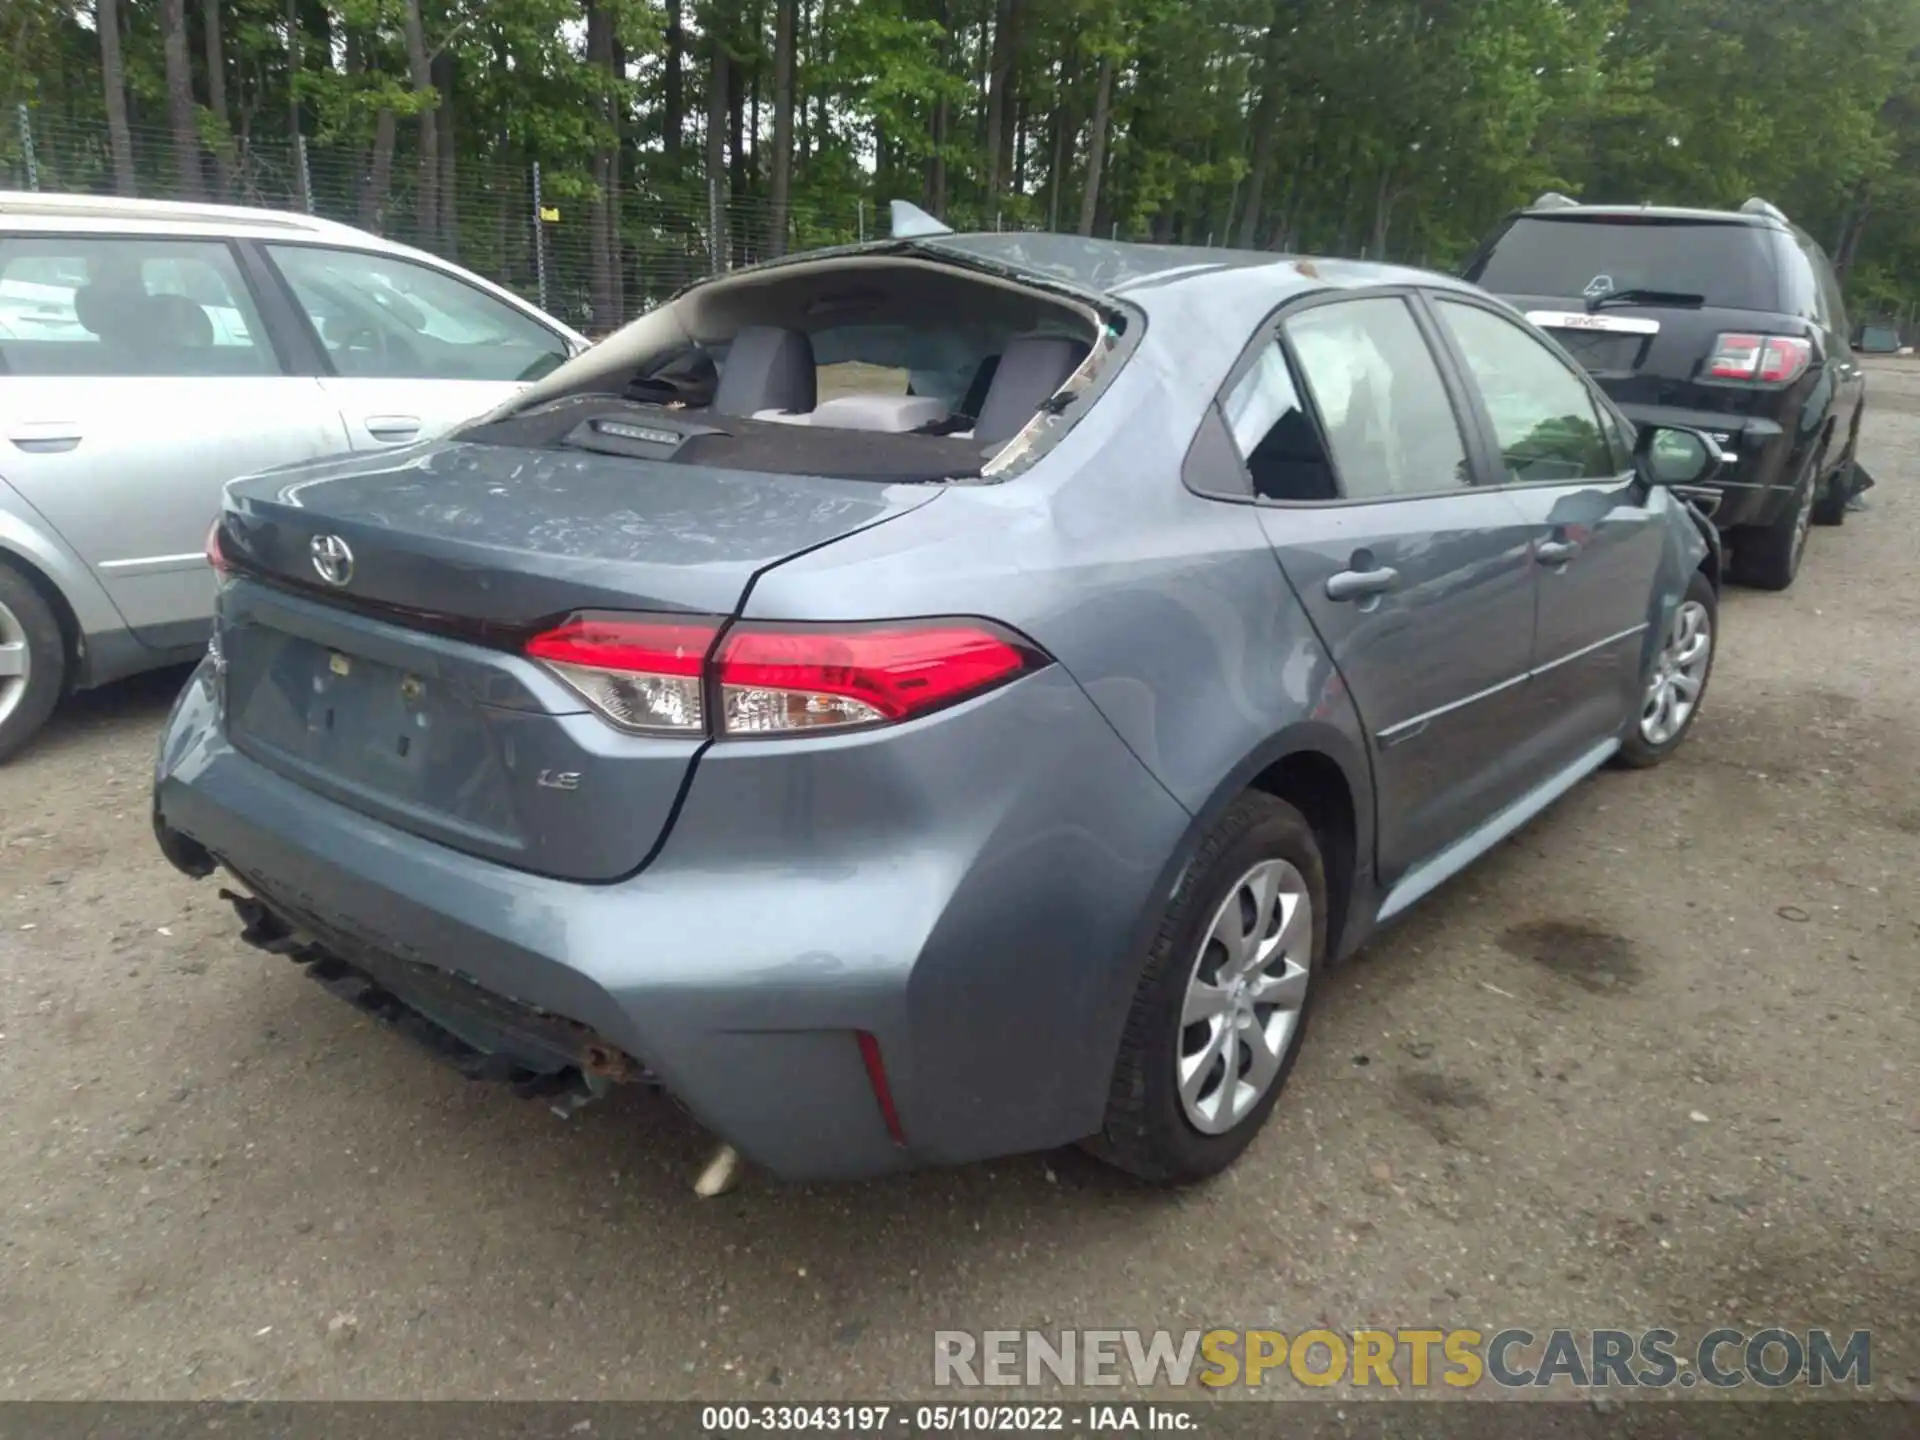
[371, 634]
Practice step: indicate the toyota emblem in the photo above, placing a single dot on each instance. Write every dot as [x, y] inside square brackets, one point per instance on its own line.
[332, 560]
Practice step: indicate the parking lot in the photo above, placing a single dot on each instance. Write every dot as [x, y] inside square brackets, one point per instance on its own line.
[1652, 1063]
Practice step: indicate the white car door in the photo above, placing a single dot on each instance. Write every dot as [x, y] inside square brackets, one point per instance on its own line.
[415, 349]
[136, 379]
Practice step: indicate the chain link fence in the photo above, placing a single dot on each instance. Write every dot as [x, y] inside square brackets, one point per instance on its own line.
[530, 230]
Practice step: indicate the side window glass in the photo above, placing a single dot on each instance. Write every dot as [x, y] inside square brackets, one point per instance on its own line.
[1275, 435]
[1544, 418]
[378, 315]
[1389, 425]
[132, 307]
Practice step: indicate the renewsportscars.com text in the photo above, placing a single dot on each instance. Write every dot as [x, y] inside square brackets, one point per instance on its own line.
[1408, 1359]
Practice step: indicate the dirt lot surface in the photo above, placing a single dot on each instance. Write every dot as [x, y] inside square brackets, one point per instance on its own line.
[1652, 1063]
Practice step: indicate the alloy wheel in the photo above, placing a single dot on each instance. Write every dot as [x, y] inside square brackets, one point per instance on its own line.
[16, 662]
[1679, 675]
[1244, 993]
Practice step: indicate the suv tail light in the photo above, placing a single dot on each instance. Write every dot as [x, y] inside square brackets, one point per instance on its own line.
[655, 674]
[1769, 359]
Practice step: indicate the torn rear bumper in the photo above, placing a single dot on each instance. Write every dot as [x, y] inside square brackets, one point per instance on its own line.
[805, 896]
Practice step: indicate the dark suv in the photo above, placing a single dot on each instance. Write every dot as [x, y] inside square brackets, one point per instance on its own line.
[1730, 322]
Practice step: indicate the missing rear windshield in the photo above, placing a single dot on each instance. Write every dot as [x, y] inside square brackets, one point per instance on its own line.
[882, 367]
[1728, 266]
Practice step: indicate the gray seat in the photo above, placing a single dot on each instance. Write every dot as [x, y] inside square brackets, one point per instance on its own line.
[1030, 370]
[767, 368]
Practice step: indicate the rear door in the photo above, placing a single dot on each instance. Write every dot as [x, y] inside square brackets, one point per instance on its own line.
[1419, 582]
[413, 350]
[1596, 544]
[1849, 377]
[139, 379]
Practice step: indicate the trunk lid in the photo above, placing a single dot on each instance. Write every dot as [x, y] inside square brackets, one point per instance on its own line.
[392, 682]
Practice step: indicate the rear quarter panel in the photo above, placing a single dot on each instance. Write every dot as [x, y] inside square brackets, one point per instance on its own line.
[1168, 609]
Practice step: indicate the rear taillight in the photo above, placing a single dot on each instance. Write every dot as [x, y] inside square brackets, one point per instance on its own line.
[652, 674]
[645, 674]
[781, 678]
[216, 556]
[1768, 359]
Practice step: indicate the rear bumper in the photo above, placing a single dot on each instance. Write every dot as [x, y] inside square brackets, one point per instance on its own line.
[1757, 481]
[973, 890]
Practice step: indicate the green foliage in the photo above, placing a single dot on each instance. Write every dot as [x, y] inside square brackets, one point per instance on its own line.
[1402, 128]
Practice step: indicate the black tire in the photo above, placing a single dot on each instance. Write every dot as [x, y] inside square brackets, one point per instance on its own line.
[1146, 1131]
[1768, 557]
[26, 616]
[1636, 751]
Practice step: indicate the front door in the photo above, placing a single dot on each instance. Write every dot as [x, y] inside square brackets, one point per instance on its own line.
[414, 350]
[1419, 582]
[1597, 544]
[140, 383]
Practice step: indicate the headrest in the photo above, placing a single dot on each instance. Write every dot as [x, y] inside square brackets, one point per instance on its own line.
[767, 368]
[1030, 370]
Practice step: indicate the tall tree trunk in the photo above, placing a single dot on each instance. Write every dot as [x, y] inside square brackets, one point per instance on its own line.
[736, 126]
[444, 79]
[113, 73]
[935, 194]
[1097, 147]
[217, 95]
[1266, 122]
[999, 140]
[379, 187]
[600, 57]
[1060, 124]
[180, 113]
[823, 38]
[780, 183]
[426, 207]
[673, 120]
[719, 240]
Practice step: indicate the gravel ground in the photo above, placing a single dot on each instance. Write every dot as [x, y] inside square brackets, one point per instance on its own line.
[1651, 1063]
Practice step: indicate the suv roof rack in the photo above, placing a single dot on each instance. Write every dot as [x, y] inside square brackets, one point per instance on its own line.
[1756, 206]
[1553, 200]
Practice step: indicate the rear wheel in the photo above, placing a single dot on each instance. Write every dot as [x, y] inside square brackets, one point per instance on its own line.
[33, 660]
[1768, 556]
[1222, 1006]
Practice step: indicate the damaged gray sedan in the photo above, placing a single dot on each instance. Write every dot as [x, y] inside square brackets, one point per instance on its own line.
[943, 698]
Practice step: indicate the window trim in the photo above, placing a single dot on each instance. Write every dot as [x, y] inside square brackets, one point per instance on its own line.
[311, 335]
[1272, 331]
[1490, 437]
[276, 349]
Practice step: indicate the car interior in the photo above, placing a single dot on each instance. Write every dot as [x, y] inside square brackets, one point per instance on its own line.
[868, 367]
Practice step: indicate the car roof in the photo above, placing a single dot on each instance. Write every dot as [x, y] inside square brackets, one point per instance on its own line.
[1122, 268]
[1652, 212]
[42, 210]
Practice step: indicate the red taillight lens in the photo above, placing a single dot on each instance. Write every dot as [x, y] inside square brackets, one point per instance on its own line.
[781, 679]
[1770, 359]
[648, 673]
[1784, 358]
[643, 673]
[216, 556]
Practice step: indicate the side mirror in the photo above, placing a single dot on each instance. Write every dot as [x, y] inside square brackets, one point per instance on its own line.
[1675, 455]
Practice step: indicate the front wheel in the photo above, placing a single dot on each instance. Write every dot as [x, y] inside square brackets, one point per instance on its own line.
[1221, 1008]
[1677, 682]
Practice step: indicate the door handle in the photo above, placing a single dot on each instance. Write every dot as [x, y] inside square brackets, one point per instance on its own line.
[45, 437]
[1556, 552]
[1360, 584]
[393, 427]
